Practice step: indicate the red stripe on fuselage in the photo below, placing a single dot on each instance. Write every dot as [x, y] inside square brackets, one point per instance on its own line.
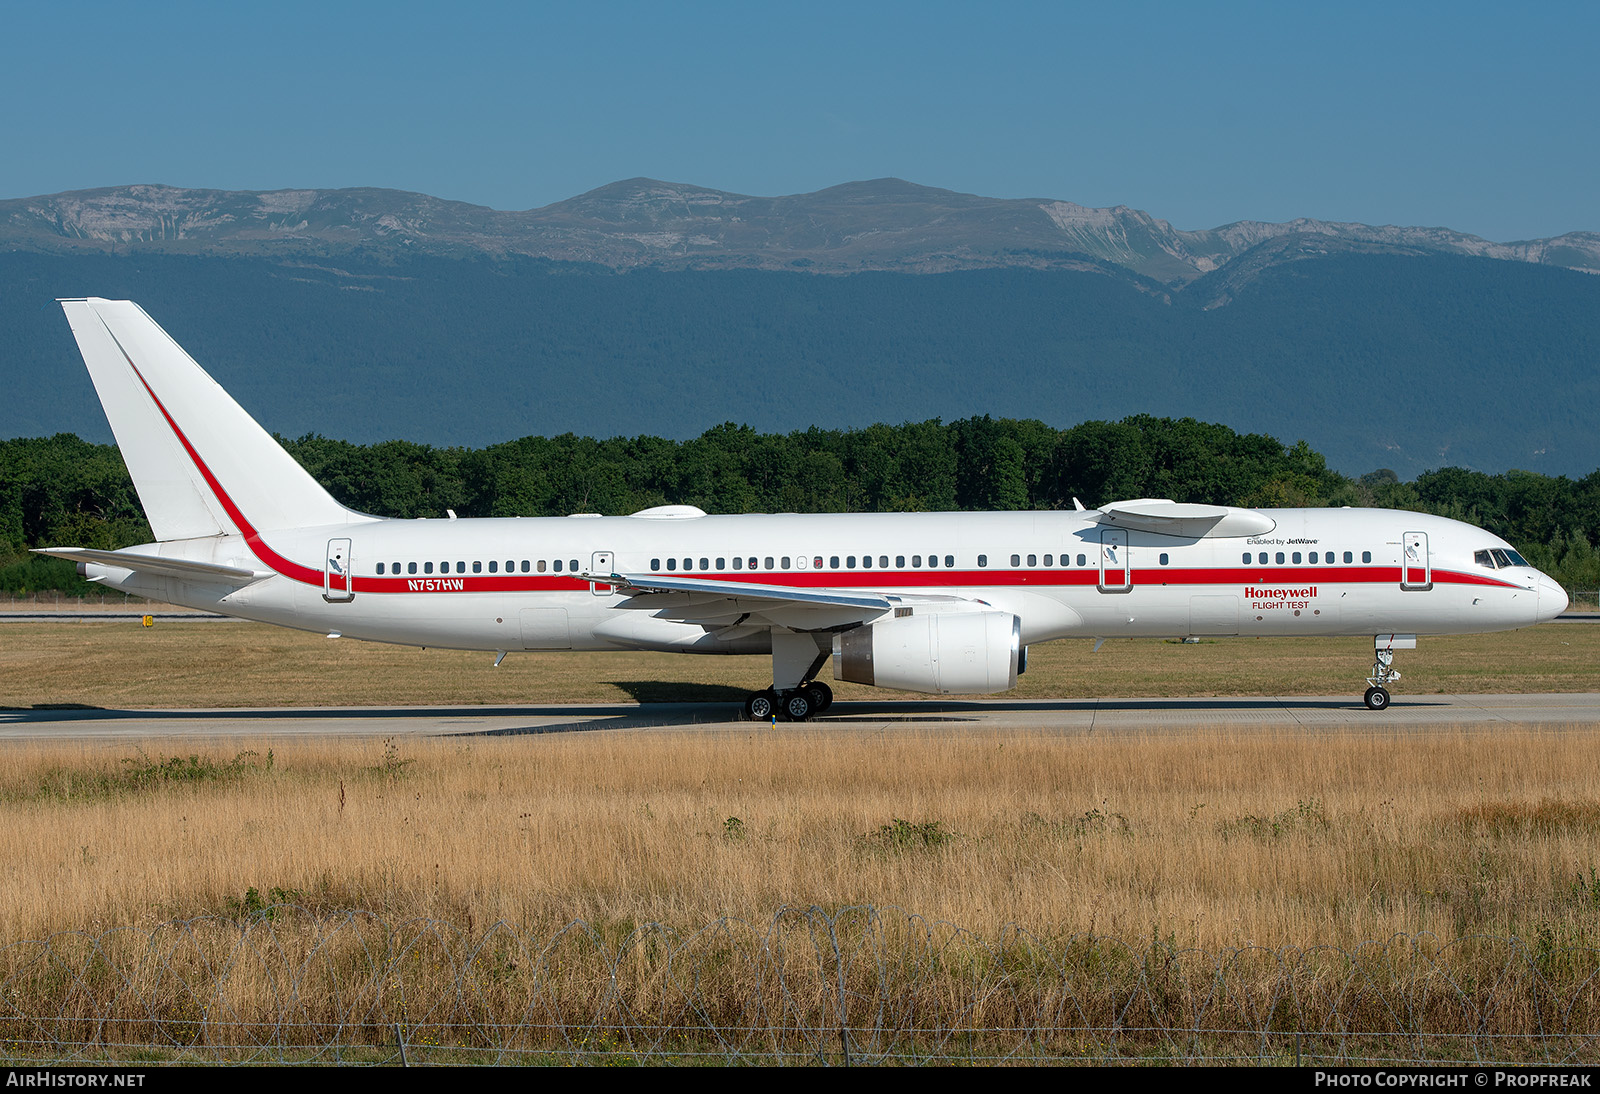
[914, 579]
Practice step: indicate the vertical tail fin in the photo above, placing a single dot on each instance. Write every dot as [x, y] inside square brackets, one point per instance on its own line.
[202, 466]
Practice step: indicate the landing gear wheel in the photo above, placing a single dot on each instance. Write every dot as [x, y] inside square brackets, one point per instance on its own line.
[1377, 699]
[821, 696]
[798, 705]
[761, 705]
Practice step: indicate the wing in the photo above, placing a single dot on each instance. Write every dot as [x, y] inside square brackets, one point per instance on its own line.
[1170, 518]
[713, 603]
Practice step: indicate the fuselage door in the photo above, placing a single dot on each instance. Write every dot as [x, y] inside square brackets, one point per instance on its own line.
[601, 562]
[1116, 563]
[337, 584]
[1416, 571]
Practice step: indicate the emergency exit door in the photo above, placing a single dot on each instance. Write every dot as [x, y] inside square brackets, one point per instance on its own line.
[601, 562]
[1416, 570]
[338, 586]
[1116, 564]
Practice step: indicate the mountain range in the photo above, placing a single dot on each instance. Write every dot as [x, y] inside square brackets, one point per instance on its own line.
[663, 309]
[879, 225]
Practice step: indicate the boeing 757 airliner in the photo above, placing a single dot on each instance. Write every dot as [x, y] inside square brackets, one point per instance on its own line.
[931, 602]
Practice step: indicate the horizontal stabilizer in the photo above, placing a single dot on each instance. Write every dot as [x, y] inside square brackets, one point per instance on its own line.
[1191, 521]
[155, 564]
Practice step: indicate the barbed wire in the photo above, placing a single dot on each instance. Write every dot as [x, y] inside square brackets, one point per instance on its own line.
[856, 985]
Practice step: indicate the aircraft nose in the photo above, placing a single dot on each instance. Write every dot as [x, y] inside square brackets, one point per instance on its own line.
[1552, 599]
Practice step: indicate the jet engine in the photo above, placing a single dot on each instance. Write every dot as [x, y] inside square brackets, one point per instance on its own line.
[935, 652]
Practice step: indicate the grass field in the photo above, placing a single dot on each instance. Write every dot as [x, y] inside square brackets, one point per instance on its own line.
[120, 665]
[1209, 839]
[1213, 839]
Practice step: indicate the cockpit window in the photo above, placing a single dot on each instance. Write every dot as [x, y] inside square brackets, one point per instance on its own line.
[1483, 558]
[1516, 559]
[1503, 558]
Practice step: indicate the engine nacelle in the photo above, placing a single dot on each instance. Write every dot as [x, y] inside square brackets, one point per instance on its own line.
[936, 652]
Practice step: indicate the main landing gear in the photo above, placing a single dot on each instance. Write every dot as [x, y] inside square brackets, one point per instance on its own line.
[794, 705]
[794, 696]
[1383, 670]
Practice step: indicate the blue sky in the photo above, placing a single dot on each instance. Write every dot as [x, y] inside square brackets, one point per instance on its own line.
[1479, 117]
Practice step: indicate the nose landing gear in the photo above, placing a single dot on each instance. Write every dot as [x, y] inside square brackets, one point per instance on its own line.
[1383, 671]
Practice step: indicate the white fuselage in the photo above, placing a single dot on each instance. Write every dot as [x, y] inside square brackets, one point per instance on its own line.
[940, 603]
[518, 583]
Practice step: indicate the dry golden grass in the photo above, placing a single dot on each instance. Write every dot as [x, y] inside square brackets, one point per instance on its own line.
[122, 665]
[1214, 839]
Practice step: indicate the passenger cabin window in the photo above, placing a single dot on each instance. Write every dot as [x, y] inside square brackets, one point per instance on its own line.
[494, 566]
[411, 567]
[1033, 560]
[1163, 558]
[983, 560]
[1296, 558]
[1049, 560]
[916, 562]
[768, 561]
[1083, 560]
[738, 563]
[949, 560]
[1366, 556]
[1348, 557]
[1016, 560]
[427, 567]
[380, 567]
[900, 562]
[541, 565]
[933, 560]
[1247, 558]
[672, 564]
[477, 567]
[883, 561]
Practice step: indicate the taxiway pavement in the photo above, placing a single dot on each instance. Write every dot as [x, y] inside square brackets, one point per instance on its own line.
[1068, 716]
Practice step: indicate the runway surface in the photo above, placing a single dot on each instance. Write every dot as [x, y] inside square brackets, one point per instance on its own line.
[1407, 713]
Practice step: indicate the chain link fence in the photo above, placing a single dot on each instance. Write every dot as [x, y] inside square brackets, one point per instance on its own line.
[858, 985]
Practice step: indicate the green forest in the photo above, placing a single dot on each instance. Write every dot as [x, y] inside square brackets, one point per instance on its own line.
[64, 491]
